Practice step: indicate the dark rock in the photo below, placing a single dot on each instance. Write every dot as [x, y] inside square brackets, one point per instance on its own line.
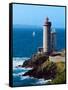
[35, 61]
[48, 72]
[42, 67]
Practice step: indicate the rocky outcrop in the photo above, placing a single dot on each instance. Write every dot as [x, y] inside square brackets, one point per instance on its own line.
[35, 61]
[46, 71]
[42, 67]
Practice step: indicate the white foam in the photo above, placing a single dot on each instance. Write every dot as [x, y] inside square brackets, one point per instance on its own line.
[38, 81]
[21, 58]
[24, 77]
[26, 68]
[19, 74]
[42, 81]
[18, 61]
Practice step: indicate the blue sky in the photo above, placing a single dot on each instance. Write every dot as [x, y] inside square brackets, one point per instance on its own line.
[35, 15]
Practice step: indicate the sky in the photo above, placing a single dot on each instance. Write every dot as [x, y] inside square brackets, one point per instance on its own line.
[36, 15]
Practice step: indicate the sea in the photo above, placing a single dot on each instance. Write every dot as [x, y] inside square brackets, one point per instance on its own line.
[26, 41]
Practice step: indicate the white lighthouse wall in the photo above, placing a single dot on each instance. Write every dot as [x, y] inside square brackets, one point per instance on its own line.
[45, 38]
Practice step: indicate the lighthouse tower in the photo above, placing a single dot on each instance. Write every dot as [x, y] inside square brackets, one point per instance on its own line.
[47, 36]
[53, 40]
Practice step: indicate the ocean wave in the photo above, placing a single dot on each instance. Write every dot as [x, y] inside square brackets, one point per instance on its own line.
[19, 71]
[34, 81]
[19, 74]
[24, 77]
[22, 68]
[18, 61]
[42, 81]
[20, 58]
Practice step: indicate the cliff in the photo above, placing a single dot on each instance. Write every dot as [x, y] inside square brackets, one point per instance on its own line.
[35, 61]
[44, 68]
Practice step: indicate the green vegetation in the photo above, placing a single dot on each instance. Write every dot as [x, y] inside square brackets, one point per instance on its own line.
[60, 77]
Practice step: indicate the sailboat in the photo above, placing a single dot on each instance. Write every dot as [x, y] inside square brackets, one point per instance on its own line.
[33, 33]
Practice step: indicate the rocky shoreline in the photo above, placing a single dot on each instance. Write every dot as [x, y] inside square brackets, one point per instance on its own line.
[42, 67]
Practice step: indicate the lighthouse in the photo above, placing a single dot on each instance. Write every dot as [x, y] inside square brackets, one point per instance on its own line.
[47, 36]
[53, 40]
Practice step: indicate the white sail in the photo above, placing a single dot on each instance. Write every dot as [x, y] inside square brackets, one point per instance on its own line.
[33, 33]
